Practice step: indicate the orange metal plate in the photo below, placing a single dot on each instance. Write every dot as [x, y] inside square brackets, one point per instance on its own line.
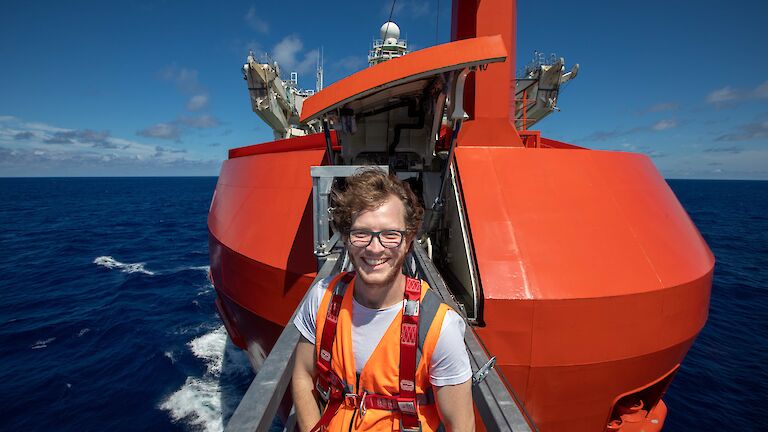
[261, 203]
[428, 61]
[591, 271]
[309, 142]
[559, 224]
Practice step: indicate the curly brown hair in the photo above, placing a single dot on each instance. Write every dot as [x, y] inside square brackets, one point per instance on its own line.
[367, 189]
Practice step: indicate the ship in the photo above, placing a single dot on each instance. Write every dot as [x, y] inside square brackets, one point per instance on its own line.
[577, 269]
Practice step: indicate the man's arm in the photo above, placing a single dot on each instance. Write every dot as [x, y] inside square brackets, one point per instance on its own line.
[302, 384]
[454, 404]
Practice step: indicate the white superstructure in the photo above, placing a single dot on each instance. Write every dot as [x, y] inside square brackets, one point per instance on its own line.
[389, 46]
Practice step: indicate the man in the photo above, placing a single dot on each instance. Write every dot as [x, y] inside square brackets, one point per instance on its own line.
[357, 349]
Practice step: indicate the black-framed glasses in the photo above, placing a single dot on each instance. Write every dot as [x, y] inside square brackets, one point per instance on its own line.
[388, 238]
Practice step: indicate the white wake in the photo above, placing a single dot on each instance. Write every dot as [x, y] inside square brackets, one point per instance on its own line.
[198, 402]
[111, 263]
[42, 343]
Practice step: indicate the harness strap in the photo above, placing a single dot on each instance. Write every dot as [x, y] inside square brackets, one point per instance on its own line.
[329, 385]
[337, 392]
[409, 334]
[383, 402]
[330, 411]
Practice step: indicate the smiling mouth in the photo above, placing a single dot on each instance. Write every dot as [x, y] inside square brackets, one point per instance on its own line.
[375, 262]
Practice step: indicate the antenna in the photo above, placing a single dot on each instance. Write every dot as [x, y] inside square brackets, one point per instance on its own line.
[319, 82]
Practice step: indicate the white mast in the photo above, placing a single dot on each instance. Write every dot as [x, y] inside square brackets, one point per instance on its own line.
[319, 83]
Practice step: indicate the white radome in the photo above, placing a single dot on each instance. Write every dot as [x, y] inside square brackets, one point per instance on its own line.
[390, 30]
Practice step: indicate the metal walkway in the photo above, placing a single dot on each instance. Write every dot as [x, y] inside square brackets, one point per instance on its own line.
[499, 408]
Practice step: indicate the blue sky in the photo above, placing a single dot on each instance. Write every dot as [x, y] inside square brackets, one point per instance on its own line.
[93, 88]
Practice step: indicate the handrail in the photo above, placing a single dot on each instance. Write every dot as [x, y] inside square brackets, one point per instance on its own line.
[259, 405]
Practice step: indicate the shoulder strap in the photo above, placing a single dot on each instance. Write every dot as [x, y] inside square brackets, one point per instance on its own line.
[330, 387]
[409, 333]
[325, 375]
[430, 304]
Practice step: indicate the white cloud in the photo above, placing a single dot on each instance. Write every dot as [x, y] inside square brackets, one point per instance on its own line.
[619, 133]
[42, 127]
[729, 95]
[173, 130]
[725, 163]
[664, 125]
[185, 79]
[746, 132]
[254, 22]
[724, 94]
[169, 131]
[197, 102]
[66, 144]
[287, 52]
[199, 122]
[761, 91]
[187, 83]
[350, 63]
[50, 150]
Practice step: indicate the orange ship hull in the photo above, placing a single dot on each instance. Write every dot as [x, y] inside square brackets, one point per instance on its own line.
[592, 280]
[595, 282]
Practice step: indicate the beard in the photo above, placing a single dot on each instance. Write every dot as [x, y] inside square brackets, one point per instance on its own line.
[383, 276]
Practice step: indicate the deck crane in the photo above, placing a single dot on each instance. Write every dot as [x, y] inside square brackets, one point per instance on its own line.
[276, 101]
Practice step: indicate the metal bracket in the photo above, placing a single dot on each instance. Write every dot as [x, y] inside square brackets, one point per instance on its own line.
[481, 373]
[457, 95]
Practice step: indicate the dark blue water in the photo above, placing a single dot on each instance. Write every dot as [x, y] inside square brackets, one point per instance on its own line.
[723, 382]
[106, 317]
[107, 323]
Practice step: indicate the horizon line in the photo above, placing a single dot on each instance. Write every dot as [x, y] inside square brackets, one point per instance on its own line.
[216, 176]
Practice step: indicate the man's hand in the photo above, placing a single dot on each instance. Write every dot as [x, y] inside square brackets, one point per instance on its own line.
[302, 384]
[454, 403]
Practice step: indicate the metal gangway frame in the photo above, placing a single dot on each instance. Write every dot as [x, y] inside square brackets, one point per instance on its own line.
[498, 406]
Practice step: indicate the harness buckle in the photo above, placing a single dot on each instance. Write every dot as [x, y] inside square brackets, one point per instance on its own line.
[411, 307]
[405, 429]
[325, 394]
[407, 406]
[363, 408]
[350, 400]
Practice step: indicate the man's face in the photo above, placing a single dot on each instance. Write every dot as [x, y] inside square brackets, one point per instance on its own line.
[375, 264]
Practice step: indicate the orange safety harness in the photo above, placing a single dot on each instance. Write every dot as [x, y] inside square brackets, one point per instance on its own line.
[336, 392]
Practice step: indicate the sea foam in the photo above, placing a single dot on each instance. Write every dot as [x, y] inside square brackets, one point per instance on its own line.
[198, 402]
[111, 263]
[42, 343]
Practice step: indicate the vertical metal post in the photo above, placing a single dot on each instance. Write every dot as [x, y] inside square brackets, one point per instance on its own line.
[525, 109]
[322, 182]
[328, 143]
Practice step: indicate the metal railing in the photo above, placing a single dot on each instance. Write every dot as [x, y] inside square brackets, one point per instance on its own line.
[259, 405]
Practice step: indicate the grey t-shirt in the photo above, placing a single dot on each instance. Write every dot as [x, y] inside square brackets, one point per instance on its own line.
[450, 361]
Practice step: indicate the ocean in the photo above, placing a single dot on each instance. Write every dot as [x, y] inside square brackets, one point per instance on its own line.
[107, 318]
